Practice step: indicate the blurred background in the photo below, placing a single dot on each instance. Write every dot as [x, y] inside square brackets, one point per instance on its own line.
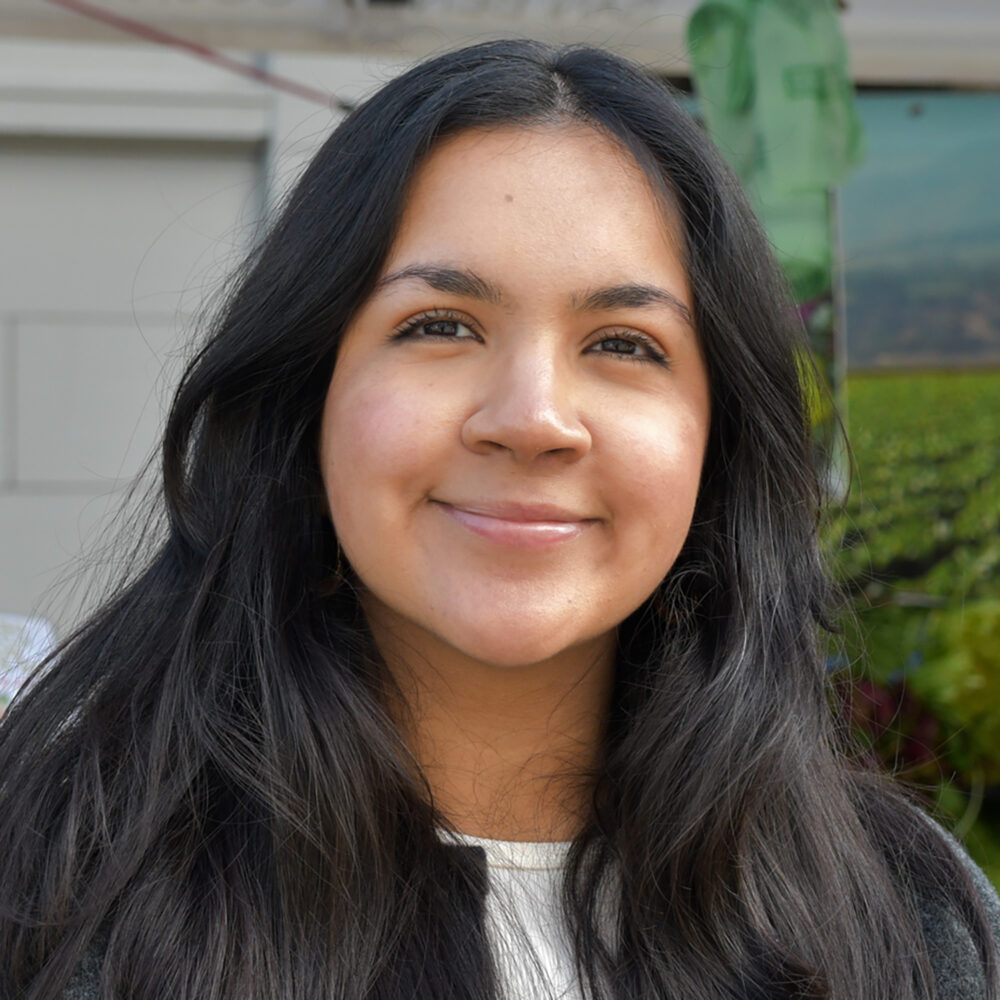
[142, 143]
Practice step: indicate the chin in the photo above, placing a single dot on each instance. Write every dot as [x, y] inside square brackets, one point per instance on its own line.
[513, 645]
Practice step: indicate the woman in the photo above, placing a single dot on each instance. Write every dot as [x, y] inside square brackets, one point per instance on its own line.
[479, 655]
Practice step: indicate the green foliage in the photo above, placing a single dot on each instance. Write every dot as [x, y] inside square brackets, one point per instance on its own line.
[983, 842]
[924, 508]
[917, 550]
[960, 677]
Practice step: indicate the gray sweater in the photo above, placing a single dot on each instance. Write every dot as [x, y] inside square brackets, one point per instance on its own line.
[957, 969]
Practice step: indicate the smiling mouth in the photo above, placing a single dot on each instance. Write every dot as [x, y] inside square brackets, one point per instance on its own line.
[529, 526]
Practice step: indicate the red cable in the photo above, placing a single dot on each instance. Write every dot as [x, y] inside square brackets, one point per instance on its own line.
[161, 37]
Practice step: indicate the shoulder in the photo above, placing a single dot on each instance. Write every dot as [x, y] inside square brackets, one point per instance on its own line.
[954, 957]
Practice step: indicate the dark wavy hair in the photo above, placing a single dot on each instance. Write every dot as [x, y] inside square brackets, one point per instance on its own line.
[202, 793]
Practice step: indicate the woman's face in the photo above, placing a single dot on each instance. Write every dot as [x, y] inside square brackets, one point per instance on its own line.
[513, 436]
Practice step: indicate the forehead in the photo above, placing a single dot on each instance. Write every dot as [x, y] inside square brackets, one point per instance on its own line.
[557, 191]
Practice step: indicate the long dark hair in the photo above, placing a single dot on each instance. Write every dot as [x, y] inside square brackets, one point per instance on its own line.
[202, 793]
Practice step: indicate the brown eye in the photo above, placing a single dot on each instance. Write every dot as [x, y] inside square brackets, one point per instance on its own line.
[616, 345]
[434, 326]
[631, 346]
[442, 328]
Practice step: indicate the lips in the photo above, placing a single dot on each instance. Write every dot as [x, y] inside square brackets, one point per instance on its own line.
[520, 525]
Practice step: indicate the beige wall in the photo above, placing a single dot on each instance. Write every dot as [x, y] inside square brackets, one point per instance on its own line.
[105, 248]
[131, 182]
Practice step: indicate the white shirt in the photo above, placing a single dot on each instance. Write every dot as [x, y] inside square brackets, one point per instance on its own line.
[524, 920]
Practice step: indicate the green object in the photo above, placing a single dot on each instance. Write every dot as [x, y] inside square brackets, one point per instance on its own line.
[776, 94]
[960, 678]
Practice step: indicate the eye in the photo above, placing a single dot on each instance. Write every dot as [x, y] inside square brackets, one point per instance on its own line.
[630, 345]
[436, 324]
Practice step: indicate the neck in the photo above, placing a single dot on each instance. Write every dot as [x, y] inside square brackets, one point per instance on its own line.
[508, 752]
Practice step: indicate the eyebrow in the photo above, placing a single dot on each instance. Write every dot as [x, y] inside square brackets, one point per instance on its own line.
[455, 280]
[460, 281]
[634, 297]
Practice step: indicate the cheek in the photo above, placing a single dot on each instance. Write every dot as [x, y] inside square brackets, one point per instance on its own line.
[659, 457]
[670, 469]
[377, 436]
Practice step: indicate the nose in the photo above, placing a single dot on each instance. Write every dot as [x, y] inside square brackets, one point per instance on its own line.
[526, 408]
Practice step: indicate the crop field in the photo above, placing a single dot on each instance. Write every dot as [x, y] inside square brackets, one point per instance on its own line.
[924, 509]
[917, 549]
